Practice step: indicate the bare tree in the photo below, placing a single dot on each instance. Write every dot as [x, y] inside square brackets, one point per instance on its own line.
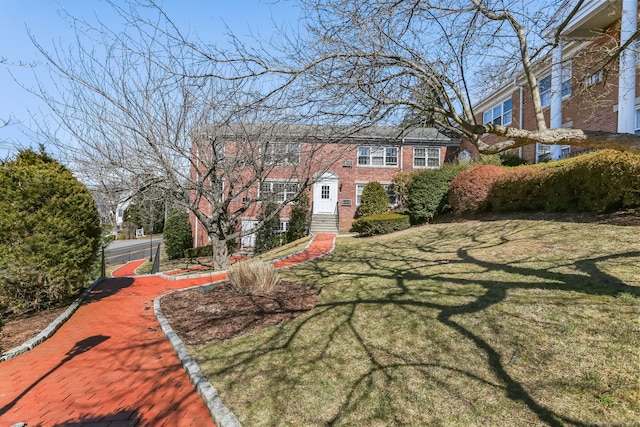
[380, 61]
[137, 112]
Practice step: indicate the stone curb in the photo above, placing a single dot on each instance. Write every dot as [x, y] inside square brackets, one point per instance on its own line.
[51, 329]
[214, 273]
[221, 415]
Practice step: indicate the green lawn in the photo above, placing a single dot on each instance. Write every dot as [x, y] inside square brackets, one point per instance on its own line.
[496, 323]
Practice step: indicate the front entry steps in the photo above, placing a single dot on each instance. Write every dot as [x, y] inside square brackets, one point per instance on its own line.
[324, 223]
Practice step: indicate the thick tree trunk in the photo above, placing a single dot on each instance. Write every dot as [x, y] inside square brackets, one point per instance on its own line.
[577, 137]
[220, 253]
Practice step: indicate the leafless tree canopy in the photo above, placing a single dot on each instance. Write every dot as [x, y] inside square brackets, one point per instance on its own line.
[383, 61]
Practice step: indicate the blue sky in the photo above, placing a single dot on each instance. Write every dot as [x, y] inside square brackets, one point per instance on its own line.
[200, 18]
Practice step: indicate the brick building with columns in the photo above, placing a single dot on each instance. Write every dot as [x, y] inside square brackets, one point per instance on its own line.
[577, 90]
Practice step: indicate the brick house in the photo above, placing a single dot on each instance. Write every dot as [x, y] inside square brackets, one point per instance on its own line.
[335, 165]
[576, 91]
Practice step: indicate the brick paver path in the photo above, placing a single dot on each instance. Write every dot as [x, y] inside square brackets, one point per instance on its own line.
[110, 364]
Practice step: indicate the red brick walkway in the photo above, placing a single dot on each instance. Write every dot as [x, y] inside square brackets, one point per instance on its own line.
[110, 364]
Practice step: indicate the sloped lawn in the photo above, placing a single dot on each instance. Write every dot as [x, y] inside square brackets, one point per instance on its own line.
[501, 323]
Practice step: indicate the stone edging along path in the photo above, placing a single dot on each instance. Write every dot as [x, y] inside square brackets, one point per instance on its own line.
[319, 246]
[221, 415]
[50, 329]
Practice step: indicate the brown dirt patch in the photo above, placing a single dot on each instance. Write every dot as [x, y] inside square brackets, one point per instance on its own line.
[201, 316]
[17, 331]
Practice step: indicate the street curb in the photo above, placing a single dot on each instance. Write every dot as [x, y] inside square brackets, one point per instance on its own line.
[221, 415]
[51, 329]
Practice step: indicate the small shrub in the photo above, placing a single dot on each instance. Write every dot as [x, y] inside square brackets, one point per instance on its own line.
[177, 234]
[266, 236]
[427, 192]
[374, 200]
[253, 277]
[198, 252]
[470, 189]
[381, 224]
[511, 160]
[401, 182]
[299, 219]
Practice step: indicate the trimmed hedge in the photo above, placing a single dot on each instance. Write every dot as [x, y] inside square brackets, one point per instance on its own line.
[469, 191]
[603, 181]
[381, 224]
[427, 192]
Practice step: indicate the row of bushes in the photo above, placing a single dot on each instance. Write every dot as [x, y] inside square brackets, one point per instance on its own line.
[603, 181]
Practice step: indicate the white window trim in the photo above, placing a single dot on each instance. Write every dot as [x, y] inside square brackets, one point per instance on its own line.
[384, 156]
[567, 70]
[286, 195]
[426, 158]
[360, 186]
[285, 160]
[493, 117]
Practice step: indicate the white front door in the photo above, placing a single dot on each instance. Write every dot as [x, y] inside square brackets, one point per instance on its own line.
[325, 194]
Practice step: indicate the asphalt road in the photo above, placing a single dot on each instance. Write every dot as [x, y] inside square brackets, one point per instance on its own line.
[121, 251]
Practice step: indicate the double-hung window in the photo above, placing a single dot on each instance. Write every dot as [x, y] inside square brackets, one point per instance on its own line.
[389, 188]
[279, 190]
[544, 85]
[377, 156]
[282, 153]
[427, 157]
[500, 114]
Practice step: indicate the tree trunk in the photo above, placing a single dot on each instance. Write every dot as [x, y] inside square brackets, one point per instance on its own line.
[220, 253]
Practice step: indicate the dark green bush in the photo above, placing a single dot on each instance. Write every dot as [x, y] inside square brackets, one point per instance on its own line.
[597, 182]
[49, 233]
[520, 189]
[511, 160]
[177, 234]
[198, 252]
[374, 200]
[299, 219]
[427, 192]
[470, 189]
[383, 223]
[266, 236]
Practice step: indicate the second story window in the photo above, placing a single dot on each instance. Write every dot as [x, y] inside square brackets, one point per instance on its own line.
[282, 153]
[377, 156]
[544, 85]
[500, 114]
[280, 190]
[426, 157]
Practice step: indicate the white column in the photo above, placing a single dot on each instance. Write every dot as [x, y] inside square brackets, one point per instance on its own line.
[556, 97]
[627, 79]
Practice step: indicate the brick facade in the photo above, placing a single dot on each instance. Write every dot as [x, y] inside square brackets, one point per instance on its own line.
[341, 160]
[592, 104]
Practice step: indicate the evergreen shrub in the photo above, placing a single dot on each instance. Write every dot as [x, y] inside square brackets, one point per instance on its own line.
[266, 236]
[299, 219]
[177, 234]
[383, 223]
[427, 192]
[374, 200]
[49, 233]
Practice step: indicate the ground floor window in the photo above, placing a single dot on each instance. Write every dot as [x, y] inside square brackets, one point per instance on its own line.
[391, 193]
[426, 157]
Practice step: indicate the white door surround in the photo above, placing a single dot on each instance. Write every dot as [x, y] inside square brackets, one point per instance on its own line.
[325, 193]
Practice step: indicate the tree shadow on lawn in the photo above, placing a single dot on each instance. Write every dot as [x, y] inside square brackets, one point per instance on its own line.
[341, 315]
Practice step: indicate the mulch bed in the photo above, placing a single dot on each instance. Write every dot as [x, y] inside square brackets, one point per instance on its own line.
[17, 331]
[217, 313]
